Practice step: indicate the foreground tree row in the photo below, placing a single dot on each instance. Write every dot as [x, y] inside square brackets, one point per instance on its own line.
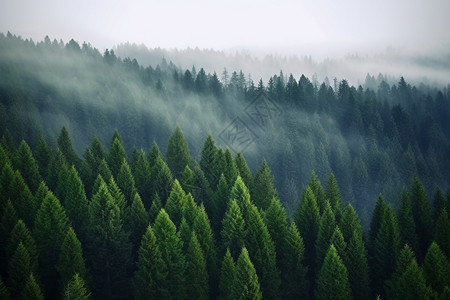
[109, 226]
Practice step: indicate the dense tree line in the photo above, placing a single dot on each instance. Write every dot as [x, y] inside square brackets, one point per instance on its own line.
[80, 227]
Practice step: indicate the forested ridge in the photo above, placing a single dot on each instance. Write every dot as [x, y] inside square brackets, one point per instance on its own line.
[86, 215]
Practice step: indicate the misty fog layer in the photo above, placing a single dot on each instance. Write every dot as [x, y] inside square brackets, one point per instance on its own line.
[375, 138]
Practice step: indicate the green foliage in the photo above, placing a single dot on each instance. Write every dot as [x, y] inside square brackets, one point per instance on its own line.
[208, 161]
[187, 179]
[20, 234]
[220, 199]
[125, 182]
[174, 204]
[160, 179]
[19, 269]
[154, 208]
[138, 220]
[227, 277]
[233, 229]
[177, 155]
[71, 259]
[4, 292]
[76, 289]
[27, 166]
[246, 285]
[276, 220]
[406, 224]
[436, 268]
[333, 195]
[442, 235]
[326, 229]
[350, 223]
[149, 280]
[244, 171]
[31, 290]
[65, 145]
[239, 192]
[23, 200]
[43, 154]
[116, 156]
[171, 246]
[263, 189]
[317, 189]
[6, 178]
[357, 266]
[332, 281]
[142, 178]
[196, 274]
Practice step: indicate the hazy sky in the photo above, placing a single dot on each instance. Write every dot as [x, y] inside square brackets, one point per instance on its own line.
[303, 27]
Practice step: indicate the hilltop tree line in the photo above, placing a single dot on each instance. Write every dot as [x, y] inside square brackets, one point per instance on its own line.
[111, 226]
[374, 138]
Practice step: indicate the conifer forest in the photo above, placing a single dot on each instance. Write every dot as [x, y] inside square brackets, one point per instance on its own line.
[120, 180]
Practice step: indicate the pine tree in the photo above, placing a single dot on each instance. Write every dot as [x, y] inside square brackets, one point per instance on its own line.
[177, 153]
[350, 223]
[27, 166]
[125, 182]
[436, 268]
[262, 250]
[71, 259]
[185, 232]
[337, 240]
[31, 290]
[153, 154]
[116, 157]
[142, 178]
[149, 280]
[6, 178]
[227, 277]
[104, 171]
[244, 171]
[23, 200]
[76, 289]
[187, 179]
[442, 235]
[333, 195]
[421, 210]
[239, 192]
[307, 220]
[41, 193]
[108, 248]
[118, 197]
[332, 282]
[196, 274]
[65, 145]
[160, 179]
[20, 234]
[220, 200]
[317, 189]
[233, 229]
[326, 229]
[171, 250]
[189, 209]
[174, 203]
[50, 228]
[246, 285]
[406, 224]
[57, 162]
[208, 162]
[263, 188]
[19, 269]
[357, 267]
[138, 220]
[154, 208]
[42, 154]
[408, 281]
[76, 203]
[294, 284]
[438, 204]
[7, 223]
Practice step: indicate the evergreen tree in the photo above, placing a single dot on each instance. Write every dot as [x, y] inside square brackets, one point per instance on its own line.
[244, 171]
[246, 285]
[196, 274]
[27, 166]
[263, 189]
[7, 223]
[307, 220]
[138, 220]
[31, 290]
[149, 280]
[332, 281]
[357, 267]
[337, 240]
[177, 153]
[187, 180]
[19, 269]
[174, 204]
[23, 200]
[436, 268]
[4, 292]
[154, 208]
[42, 154]
[333, 195]
[261, 248]
[220, 200]
[118, 197]
[76, 289]
[233, 229]
[406, 224]
[65, 145]
[208, 163]
[326, 229]
[317, 189]
[350, 223]
[421, 210]
[116, 156]
[239, 192]
[160, 179]
[41, 193]
[71, 259]
[185, 233]
[294, 284]
[76, 203]
[104, 171]
[171, 249]
[125, 182]
[108, 248]
[20, 234]
[50, 228]
[438, 204]
[442, 235]
[142, 178]
[227, 277]
[57, 162]
[6, 178]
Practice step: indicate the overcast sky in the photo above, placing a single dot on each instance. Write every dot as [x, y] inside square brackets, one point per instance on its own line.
[285, 27]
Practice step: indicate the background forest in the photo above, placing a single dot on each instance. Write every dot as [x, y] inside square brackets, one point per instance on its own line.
[340, 195]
